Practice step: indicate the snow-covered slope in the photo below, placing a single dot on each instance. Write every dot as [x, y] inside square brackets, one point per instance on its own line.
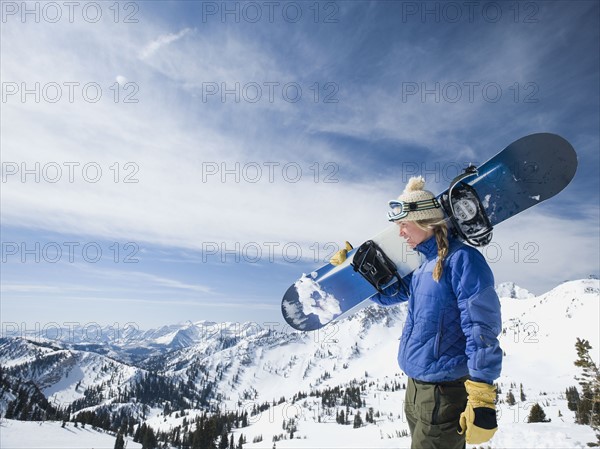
[540, 334]
[280, 377]
[64, 375]
[268, 365]
[30, 434]
[512, 290]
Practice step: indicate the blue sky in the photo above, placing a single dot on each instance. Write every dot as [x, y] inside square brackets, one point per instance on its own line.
[174, 161]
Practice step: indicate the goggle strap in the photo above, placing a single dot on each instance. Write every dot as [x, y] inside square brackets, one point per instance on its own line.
[433, 203]
[406, 207]
[423, 205]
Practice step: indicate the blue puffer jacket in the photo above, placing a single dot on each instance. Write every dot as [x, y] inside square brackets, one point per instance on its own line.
[452, 326]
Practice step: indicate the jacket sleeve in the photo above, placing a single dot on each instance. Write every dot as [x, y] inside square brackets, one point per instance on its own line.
[473, 284]
[399, 297]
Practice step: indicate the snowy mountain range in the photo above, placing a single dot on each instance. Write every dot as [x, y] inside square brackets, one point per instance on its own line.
[283, 379]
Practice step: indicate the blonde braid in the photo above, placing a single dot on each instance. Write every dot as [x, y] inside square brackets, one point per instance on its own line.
[441, 237]
[440, 231]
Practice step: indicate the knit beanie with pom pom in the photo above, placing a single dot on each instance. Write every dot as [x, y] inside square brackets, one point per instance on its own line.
[415, 203]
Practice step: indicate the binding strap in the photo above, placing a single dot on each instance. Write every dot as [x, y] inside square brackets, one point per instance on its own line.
[377, 268]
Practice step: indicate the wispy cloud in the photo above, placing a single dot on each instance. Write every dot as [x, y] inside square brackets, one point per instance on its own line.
[45, 288]
[180, 168]
[163, 41]
[173, 138]
[139, 281]
[160, 281]
[538, 251]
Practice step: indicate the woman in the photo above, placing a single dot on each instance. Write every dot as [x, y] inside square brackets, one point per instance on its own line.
[449, 347]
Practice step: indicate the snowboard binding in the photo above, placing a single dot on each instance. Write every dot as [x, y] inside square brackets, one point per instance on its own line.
[465, 211]
[377, 268]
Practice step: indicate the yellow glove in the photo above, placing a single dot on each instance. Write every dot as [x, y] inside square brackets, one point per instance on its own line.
[479, 418]
[339, 257]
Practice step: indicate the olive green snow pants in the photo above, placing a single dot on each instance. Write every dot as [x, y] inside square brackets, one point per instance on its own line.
[433, 411]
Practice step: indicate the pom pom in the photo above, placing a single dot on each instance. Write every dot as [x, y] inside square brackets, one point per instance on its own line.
[415, 183]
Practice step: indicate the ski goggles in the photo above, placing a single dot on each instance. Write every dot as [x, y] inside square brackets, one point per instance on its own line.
[400, 209]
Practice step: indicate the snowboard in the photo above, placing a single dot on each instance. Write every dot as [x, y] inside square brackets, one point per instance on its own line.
[527, 172]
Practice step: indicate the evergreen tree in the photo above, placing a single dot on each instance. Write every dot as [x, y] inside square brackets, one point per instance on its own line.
[130, 427]
[537, 414]
[357, 420]
[148, 438]
[369, 416]
[223, 443]
[120, 441]
[510, 398]
[291, 427]
[523, 397]
[572, 398]
[588, 411]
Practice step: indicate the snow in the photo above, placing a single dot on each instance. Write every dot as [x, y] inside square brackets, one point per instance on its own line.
[542, 435]
[316, 301]
[261, 366]
[313, 434]
[486, 201]
[85, 370]
[539, 340]
[511, 290]
[29, 434]
[541, 333]
[66, 383]
[514, 431]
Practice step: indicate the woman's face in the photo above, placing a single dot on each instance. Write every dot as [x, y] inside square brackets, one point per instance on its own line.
[413, 234]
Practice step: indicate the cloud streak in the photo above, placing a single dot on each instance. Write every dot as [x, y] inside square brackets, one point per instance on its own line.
[163, 41]
[165, 160]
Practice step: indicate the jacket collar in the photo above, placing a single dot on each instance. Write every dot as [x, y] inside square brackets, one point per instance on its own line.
[428, 248]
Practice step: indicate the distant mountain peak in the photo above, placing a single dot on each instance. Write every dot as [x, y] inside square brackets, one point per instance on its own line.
[512, 290]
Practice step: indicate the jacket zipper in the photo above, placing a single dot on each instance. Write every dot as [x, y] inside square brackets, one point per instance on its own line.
[439, 336]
